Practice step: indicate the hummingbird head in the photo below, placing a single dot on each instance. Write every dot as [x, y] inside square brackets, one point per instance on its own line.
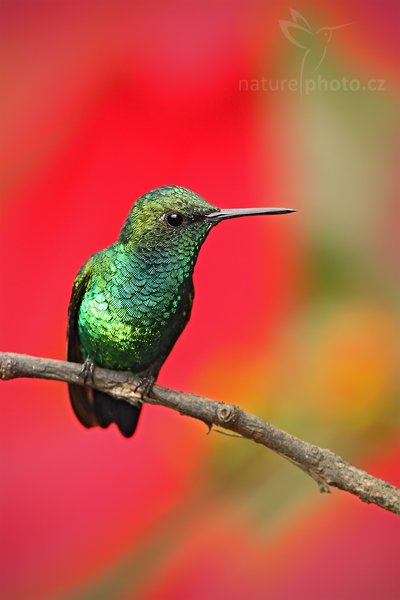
[169, 218]
[172, 222]
[325, 33]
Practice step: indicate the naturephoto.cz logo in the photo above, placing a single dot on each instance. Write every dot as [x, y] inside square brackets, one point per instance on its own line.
[313, 44]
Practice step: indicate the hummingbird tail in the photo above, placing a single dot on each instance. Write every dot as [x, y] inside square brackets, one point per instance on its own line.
[111, 410]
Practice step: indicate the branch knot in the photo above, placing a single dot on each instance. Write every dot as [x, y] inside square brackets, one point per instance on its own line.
[227, 413]
[7, 369]
[314, 455]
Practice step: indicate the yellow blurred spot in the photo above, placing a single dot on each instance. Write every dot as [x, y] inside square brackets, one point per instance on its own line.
[355, 358]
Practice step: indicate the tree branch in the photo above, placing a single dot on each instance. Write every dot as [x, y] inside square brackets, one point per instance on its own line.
[323, 465]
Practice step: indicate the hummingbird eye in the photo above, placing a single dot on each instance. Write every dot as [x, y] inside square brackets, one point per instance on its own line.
[174, 219]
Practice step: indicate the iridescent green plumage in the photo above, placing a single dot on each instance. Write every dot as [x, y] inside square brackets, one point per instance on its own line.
[135, 296]
[140, 291]
[131, 301]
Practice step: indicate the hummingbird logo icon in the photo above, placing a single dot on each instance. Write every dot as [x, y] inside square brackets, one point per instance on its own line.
[314, 42]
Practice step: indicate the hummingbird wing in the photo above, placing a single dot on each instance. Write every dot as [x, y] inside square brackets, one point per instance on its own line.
[92, 407]
[81, 397]
[296, 34]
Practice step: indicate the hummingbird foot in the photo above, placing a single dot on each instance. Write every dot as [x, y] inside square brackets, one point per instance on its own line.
[145, 385]
[87, 371]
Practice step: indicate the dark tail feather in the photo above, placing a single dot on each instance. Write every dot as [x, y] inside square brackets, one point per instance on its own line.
[82, 403]
[111, 410]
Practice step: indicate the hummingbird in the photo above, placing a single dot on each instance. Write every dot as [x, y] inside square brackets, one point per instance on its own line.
[313, 41]
[131, 301]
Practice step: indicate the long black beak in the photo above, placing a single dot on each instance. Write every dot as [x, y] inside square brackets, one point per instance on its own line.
[232, 213]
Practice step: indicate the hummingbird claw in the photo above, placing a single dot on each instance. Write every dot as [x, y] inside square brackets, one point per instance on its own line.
[87, 371]
[145, 386]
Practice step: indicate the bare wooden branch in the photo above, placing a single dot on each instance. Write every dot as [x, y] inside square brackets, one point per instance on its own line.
[323, 465]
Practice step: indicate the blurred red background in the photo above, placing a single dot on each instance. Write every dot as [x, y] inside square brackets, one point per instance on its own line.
[295, 318]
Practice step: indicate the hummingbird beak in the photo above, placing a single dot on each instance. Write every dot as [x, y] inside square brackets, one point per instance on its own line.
[333, 28]
[232, 213]
[340, 26]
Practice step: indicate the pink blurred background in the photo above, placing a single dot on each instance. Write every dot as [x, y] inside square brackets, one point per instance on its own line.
[296, 318]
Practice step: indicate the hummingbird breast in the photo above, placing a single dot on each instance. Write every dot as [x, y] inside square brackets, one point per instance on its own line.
[133, 312]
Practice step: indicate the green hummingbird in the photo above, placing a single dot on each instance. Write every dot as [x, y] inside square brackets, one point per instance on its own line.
[131, 301]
